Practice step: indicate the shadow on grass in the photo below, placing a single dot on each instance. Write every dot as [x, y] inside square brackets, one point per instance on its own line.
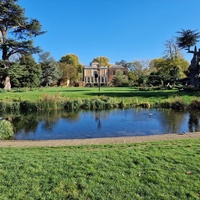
[144, 94]
[70, 91]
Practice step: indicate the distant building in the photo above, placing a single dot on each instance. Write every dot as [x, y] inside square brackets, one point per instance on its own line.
[112, 71]
[90, 74]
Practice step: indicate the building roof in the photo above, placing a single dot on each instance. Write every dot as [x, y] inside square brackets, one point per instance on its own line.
[116, 66]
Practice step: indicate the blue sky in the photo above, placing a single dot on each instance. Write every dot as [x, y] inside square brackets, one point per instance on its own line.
[118, 29]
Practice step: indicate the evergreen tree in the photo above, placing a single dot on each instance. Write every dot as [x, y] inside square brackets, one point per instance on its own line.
[50, 69]
[16, 32]
[25, 73]
[187, 38]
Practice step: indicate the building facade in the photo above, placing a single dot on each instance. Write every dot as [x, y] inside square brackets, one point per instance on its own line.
[91, 74]
[112, 71]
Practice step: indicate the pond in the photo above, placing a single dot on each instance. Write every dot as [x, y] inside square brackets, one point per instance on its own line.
[98, 124]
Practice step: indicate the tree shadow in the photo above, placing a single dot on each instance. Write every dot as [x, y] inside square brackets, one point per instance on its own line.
[144, 94]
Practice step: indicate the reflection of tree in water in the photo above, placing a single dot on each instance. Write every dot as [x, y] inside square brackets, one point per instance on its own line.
[172, 120]
[71, 116]
[28, 122]
[193, 122]
[51, 118]
[25, 123]
[98, 115]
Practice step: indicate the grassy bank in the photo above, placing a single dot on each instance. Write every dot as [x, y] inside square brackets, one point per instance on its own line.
[126, 93]
[91, 98]
[161, 170]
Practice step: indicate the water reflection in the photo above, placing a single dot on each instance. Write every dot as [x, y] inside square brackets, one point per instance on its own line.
[95, 124]
[173, 120]
[193, 123]
[98, 115]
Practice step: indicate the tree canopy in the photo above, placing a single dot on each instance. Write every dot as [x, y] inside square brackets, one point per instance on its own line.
[50, 69]
[16, 30]
[71, 68]
[103, 61]
[187, 38]
[16, 33]
[70, 59]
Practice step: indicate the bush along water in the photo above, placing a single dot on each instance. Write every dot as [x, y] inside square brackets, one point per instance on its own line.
[97, 103]
[195, 105]
[6, 130]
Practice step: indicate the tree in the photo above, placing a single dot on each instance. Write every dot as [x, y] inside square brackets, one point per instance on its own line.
[68, 73]
[72, 61]
[16, 31]
[33, 71]
[25, 72]
[169, 70]
[50, 69]
[187, 38]
[103, 61]
[172, 51]
[122, 63]
[120, 79]
[138, 70]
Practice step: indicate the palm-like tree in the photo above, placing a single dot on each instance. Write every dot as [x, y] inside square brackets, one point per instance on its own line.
[187, 38]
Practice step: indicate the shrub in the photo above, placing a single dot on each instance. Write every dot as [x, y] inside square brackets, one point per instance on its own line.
[73, 105]
[9, 106]
[145, 105]
[28, 106]
[178, 104]
[165, 104]
[121, 105]
[86, 104]
[51, 102]
[6, 130]
[195, 105]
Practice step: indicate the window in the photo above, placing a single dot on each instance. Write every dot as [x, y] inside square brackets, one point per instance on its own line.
[113, 72]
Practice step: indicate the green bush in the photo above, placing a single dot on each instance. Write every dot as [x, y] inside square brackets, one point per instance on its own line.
[29, 106]
[195, 105]
[73, 105]
[145, 105]
[178, 105]
[9, 106]
[6, 130]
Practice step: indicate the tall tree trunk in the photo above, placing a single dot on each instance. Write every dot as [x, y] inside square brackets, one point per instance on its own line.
[6, 79]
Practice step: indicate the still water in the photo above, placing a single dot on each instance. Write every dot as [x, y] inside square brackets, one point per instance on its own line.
[96, 124]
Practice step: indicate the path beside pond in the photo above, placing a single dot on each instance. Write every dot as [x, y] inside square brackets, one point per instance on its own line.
[96, 141]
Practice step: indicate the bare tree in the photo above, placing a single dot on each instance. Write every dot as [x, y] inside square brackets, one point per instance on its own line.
[172, 51]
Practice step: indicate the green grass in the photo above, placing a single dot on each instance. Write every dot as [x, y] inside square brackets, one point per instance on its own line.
[159, 170]
[127, 94]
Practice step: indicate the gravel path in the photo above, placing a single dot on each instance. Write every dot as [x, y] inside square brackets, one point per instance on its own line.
[96, 141]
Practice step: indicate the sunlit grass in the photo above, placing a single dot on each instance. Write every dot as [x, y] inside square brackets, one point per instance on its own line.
[161, 170]
[88, 92]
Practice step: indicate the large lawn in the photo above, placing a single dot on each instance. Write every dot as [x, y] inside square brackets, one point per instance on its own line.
[160, 170]
[125, 93]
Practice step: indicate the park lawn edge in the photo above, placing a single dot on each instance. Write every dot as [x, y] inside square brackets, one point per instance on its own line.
[149, 170]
